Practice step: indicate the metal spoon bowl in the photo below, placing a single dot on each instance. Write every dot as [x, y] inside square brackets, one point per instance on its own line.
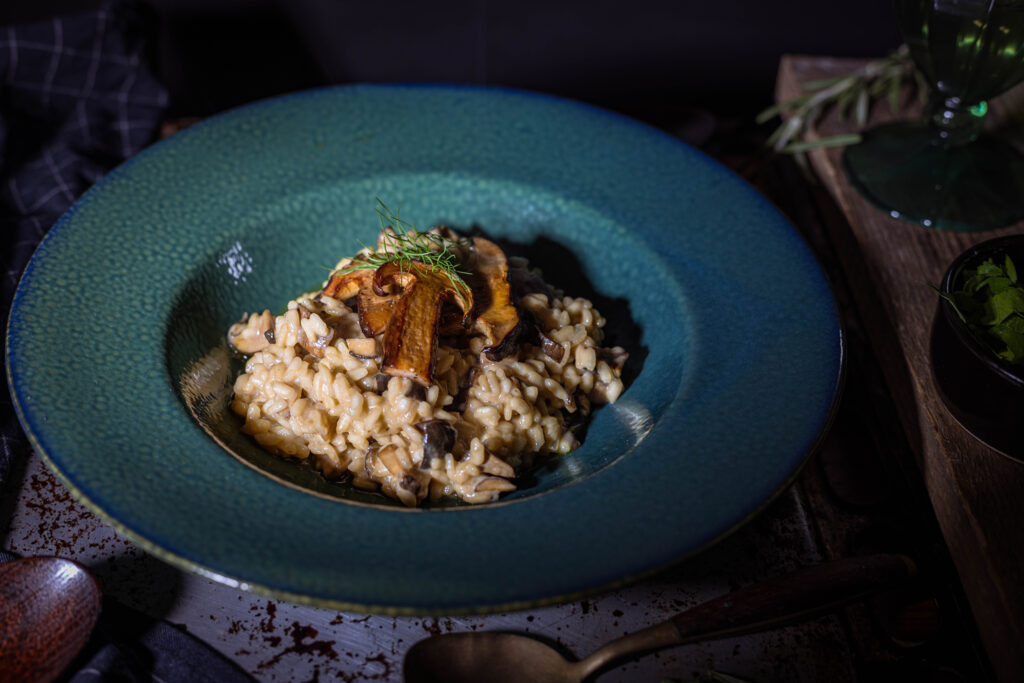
[506, 657]
[48, 607]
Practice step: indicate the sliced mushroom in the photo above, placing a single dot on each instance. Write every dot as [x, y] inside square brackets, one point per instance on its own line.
[390, 467]
[498, 484]
[314, 333]
[374, 311]
[416, 391]
[380, 382]
[491, 484]
[371, 464]
[410, 484]
[410, 340]
[498, 467]
[615, 357]
[345, 286]
[459, 400]
[390, 458]
[496, 316]
[386, 240]
[550, 347]
[364, 348]
[452, 323]
[446, 233]
[252, 333]
[438, 440]
[526, 281]
[535, 334]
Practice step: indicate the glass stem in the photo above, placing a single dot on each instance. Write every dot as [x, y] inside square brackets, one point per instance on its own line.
[953, 122]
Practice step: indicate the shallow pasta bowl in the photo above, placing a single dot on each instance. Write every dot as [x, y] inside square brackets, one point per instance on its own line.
[736, 346]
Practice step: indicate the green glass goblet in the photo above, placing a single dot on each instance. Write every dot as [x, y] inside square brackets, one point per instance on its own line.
[942, 171]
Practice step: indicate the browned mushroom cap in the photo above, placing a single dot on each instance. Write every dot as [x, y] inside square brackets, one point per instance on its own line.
[343, 286]
[410, 340]
[496, 316]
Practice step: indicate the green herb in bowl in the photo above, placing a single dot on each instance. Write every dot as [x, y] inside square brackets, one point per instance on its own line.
[990, 301]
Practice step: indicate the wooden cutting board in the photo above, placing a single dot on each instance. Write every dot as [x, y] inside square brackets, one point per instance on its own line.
[977, 493]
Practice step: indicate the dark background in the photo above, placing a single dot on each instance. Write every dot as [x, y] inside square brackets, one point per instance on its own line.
[645, 58]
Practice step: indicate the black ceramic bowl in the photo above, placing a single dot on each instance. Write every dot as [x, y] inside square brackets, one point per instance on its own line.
[984, 393]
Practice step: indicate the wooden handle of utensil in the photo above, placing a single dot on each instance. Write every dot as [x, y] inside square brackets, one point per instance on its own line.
[801, 595]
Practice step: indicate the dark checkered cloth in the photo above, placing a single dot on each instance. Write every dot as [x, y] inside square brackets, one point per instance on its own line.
[76, 98]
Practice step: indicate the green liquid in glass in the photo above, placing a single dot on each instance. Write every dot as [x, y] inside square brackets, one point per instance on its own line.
[965, 49]
[942, 172]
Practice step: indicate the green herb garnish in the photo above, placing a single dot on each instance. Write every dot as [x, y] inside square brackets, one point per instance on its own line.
[991, 304]
[855, 92]
[411, 249]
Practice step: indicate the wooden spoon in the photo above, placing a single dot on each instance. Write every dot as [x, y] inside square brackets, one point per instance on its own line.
[48, 607]
[506, 657]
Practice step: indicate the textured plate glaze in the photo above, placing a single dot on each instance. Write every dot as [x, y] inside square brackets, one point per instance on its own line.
[115, 342]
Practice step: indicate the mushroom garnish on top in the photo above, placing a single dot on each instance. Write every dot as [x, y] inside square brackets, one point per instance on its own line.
[410, 340]
[415, 286]
[428, 365]
[496, 316]
[349, 281]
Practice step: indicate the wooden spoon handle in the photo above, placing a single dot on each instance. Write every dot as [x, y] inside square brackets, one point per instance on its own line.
[801, 595]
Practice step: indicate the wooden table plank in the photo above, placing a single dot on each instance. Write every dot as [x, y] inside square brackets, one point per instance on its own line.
[977, 493]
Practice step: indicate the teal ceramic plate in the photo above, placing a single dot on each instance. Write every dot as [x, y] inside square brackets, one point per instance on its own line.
[119, 372]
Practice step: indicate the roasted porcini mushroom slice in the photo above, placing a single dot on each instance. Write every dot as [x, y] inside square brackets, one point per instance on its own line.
[410, 340]
[496, 316]
[374, 311]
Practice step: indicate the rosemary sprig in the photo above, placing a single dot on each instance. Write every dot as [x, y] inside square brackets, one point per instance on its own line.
[857, 91]
[411, 249]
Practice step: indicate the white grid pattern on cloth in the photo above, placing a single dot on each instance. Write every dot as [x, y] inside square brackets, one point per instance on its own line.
[76, 97]
[27, 49]
[51, 72]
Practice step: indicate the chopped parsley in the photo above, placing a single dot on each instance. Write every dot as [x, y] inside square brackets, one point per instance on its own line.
[990, 301]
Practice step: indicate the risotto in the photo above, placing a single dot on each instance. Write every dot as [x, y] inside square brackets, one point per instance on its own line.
[430, 366]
